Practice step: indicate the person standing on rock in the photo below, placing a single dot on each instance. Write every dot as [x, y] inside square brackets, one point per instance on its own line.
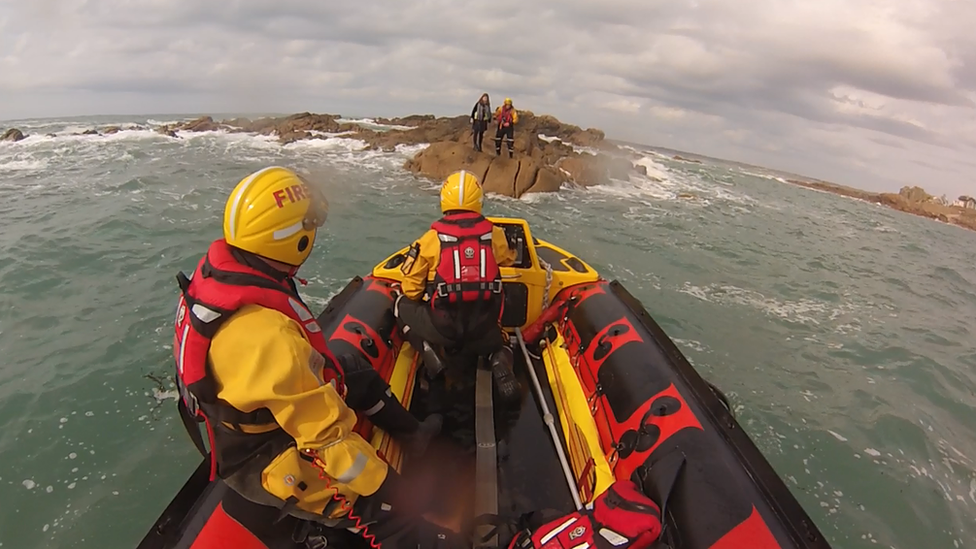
[507, 117]
[456, 264]
[480, 117]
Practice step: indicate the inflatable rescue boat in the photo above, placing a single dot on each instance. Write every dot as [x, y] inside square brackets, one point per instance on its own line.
[606, 395]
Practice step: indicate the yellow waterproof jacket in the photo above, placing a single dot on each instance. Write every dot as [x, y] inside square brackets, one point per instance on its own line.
[498, 114]
[260, 359]
[417, 274]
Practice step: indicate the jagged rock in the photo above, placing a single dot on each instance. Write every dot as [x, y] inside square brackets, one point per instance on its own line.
[548, 181]
[915, 194]
[425, 128]
[412, 120]
[349, 127]
[502, 174]
[550, 126]
[237, 125]
[13, 134]
[498, 174]
[301, 122]
[202, 124]
[441, 159]
[450, 138]
[167, 131]
[89, 132]
[111, 130]
[293, 136]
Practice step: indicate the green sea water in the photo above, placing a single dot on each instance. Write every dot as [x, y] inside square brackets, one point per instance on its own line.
[841, 331]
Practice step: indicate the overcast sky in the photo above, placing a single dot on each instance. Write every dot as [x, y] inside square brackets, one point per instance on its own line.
[869, 93]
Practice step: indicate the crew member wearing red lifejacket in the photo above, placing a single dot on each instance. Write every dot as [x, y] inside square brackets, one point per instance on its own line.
[456, 264]
[507, 118]
[253, 365]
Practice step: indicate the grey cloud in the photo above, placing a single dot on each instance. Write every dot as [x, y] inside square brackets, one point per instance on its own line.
[833, 85]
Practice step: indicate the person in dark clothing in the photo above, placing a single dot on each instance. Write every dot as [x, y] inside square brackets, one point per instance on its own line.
[507, 117]
[480, 117]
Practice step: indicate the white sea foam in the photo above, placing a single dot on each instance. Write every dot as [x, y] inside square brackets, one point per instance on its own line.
[372, 124]
[802, 311]
[329, 144]
[23, 165]
[655, 170]
[663, 183]
[578, 148]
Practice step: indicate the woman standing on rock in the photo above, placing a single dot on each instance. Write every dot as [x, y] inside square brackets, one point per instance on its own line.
[480, 116]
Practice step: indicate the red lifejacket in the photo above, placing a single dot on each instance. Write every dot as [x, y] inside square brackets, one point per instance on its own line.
[220, 286]
[467, 270]
[620, 518]
[506, 117]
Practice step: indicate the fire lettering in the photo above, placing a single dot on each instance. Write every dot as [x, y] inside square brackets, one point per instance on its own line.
[294, 193]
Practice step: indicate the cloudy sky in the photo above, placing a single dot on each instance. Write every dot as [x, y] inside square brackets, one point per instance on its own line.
[870, 93]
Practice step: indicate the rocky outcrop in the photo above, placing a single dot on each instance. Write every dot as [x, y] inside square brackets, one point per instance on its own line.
[539, 165]
[915, 195]
[202, 124]
[164, 130]
[13, 134]
[910, 199]
[498, 174]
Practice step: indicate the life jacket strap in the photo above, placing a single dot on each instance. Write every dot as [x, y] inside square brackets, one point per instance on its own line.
[443, 289]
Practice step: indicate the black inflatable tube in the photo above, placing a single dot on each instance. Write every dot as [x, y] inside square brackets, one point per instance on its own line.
[790, 515]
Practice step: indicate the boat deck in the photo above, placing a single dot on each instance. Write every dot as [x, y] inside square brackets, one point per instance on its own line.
[529, 476]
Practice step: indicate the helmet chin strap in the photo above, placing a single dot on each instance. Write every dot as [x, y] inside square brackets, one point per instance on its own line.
[294, 271]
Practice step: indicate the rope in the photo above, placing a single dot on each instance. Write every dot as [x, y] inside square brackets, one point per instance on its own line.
[545, 294]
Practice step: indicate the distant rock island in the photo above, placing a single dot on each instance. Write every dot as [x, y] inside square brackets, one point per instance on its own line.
[909, 199]
[546, 155]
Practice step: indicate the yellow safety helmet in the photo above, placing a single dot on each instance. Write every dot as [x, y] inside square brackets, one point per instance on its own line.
[462, 191]
[508, 100]
[275, 213]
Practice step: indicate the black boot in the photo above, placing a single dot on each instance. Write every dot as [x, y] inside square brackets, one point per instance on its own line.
[502, 361]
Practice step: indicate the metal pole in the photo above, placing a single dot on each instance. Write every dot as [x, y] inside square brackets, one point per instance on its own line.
[547, 418]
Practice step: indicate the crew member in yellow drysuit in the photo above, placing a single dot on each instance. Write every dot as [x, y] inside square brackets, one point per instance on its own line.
[456, 264]
[507, 117]
[253, 363]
